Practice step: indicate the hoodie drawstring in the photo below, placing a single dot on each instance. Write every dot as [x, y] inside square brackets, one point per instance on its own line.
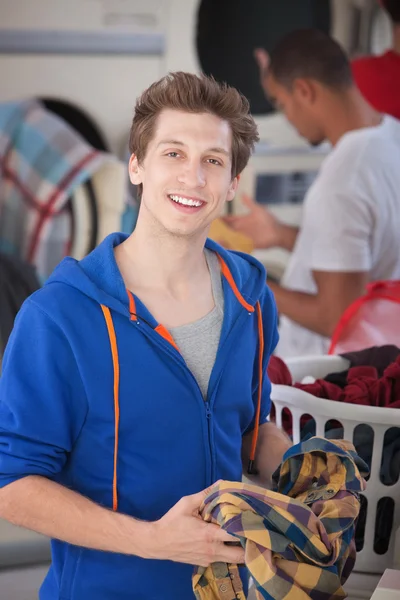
[251, 469]
[165, 334]
[114, 353]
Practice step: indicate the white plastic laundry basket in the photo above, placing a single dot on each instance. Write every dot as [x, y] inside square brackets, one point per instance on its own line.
[350, 416]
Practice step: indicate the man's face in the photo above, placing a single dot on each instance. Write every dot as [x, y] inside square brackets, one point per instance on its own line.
[299, 107]
[186, 173]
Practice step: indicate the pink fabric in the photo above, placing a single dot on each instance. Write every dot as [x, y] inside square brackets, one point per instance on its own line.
[372, 320]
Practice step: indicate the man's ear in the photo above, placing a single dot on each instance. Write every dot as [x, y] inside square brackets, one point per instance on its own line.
[232, 188]
[305, 89]
[134, 170]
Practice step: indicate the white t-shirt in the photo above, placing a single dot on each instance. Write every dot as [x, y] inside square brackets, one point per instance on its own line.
[351, 222]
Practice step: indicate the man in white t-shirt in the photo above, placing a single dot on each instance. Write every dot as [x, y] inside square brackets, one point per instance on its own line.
[350, 230]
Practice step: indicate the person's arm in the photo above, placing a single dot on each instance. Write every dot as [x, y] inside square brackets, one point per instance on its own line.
[262, 227]
[43, 407]
[272, 445]
[321, 312]
[335, 246]
[286, 236]
[48, 508]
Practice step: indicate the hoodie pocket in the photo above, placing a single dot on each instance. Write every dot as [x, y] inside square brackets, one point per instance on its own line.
[72, 557]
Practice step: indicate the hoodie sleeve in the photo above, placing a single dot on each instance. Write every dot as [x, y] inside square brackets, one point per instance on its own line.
[271, 338]
[42, 401]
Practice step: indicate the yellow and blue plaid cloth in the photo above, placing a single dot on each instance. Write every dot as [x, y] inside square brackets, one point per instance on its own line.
[299, 539]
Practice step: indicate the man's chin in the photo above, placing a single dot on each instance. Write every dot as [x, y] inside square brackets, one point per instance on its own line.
[315, 143]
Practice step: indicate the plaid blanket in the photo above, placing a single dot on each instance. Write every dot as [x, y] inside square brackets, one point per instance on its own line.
[298, 540]
[42, 161]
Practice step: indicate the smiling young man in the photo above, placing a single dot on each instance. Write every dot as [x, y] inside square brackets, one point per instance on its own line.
[136, 377]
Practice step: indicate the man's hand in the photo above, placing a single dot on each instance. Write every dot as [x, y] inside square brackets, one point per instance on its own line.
[259, 224]
[181, 535]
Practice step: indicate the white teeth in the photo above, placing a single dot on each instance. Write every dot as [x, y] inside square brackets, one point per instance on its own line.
[185, 201]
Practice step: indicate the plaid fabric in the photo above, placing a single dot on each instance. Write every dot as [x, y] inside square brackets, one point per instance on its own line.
[42, 161]
[298, 540]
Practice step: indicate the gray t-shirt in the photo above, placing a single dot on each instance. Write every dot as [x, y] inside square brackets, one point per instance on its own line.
[198, 341]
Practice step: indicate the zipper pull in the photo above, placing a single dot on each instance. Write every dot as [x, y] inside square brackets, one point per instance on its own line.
[208, 411]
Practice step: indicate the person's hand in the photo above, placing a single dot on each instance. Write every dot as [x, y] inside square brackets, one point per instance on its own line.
[181, 535]
[262, 59]
[259, 224]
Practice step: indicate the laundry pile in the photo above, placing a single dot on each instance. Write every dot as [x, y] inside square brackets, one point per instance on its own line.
[299, 538]
[372, 379]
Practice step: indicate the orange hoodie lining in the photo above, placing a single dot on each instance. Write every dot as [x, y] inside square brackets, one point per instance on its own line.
[114, 352]
[163, 331]
[228, 276]
[260, 375]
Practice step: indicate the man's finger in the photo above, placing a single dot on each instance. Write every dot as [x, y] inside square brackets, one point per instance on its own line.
[195, 500]
[247, 201]
[224, 536]
[231, 555]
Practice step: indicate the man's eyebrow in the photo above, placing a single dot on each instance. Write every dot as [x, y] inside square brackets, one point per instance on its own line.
[216, 150]
[172, 142]
[219, 151]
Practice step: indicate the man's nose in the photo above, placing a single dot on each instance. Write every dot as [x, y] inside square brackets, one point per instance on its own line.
[192, 174]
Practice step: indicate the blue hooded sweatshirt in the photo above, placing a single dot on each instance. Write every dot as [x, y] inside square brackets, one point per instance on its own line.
[95, 396]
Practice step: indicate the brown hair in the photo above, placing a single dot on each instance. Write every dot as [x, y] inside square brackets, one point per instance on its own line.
[195, 94]
[312, 54]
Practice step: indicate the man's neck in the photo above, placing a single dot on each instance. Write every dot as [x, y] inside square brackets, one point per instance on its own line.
[396, 39]
[158, 260]
[351, 111]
